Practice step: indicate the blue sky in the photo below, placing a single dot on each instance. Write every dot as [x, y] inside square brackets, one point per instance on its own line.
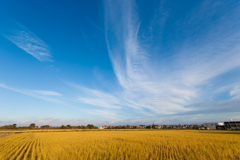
[119, 62]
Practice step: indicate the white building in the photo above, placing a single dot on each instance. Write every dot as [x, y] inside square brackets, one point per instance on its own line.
[211, 126]
[157, 126]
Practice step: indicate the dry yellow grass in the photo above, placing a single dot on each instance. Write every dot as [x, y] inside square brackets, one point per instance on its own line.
[5, 134]
[161, 144]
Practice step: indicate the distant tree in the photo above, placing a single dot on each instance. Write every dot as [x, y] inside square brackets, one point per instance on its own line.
[148, 127]
[45, 126]
[128, 126]
[62, 127]
[153, 126]
[14, 125]
[32, 125]
[69, 126]
[90, 126]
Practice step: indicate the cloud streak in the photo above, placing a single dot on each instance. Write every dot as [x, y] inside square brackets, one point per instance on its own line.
[30, 43]
[212, 107]
[49, 96]
[164, 85]
[140, 80]
[46, 93]
[153, 81]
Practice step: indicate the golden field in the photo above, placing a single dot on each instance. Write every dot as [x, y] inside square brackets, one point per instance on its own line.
[151, 144]
[3, 135]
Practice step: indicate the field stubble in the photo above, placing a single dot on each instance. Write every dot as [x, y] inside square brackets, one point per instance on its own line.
[6, 134]
[163, 144]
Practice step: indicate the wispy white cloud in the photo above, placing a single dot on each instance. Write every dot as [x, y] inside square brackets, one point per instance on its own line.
[50, 96]
[30, 43]
[235, 91]
[102, 99]
[154, 81]
[141, 82]
[165, 85]
[105, 114]
[46, 93]
[95, 97]
[152, 84]
[214, 107]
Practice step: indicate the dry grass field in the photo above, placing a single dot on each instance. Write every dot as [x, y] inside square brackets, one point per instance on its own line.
[6, 134]
[161, 144]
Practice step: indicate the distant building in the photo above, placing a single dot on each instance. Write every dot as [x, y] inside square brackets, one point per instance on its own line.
[196, 126]
[112, 127]
[190, 126]
[211, 126]
[100, 127]
[232, 125]
[105, 126]
[142, 126]
[157, 126]
[166, 126]
[179, 126]
[201, 128]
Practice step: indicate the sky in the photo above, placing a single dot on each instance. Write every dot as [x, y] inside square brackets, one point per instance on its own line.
[119, 62]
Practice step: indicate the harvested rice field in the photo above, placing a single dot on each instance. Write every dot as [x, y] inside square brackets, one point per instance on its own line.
[160, 144]
[6, 134]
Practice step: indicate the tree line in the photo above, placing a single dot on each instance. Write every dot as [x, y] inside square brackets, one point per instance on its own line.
[33, 126]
